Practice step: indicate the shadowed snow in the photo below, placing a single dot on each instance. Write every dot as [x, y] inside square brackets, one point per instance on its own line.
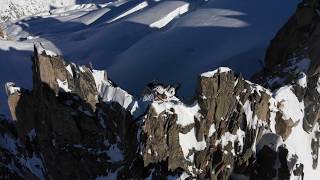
[139, 41]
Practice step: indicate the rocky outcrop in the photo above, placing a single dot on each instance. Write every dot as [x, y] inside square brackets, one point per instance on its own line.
[76, 124]
[299, 36]
[294, 50]
[292, 59]
[62, 121]
[1, 33]
[221, 135]
[52, 71]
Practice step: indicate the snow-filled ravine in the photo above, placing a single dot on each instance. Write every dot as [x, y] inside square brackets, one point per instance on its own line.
[138, 41]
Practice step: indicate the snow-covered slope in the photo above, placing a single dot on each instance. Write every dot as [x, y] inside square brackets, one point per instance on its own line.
[173, 41]
[220, 33]
[138, 41]
[14, 9]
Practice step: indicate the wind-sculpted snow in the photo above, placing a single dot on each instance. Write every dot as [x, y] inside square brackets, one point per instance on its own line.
[109, 93]
[219, 33]
[139, 41]
[75, 123]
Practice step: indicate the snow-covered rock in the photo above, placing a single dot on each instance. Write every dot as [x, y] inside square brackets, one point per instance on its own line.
[101, 131]
[11, 88]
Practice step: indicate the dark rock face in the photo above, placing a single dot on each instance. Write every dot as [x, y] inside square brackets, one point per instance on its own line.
[295, 49]
[50, 71]
[238, 111]
[8, 139]
[298, 36]
[293, 59]
[65, 129]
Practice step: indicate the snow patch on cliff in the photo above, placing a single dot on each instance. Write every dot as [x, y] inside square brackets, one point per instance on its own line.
[299, 144]
[188, 142]
[290, 106]
[185, 114]
[212, 73]
[63, 85]
[109, 93]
